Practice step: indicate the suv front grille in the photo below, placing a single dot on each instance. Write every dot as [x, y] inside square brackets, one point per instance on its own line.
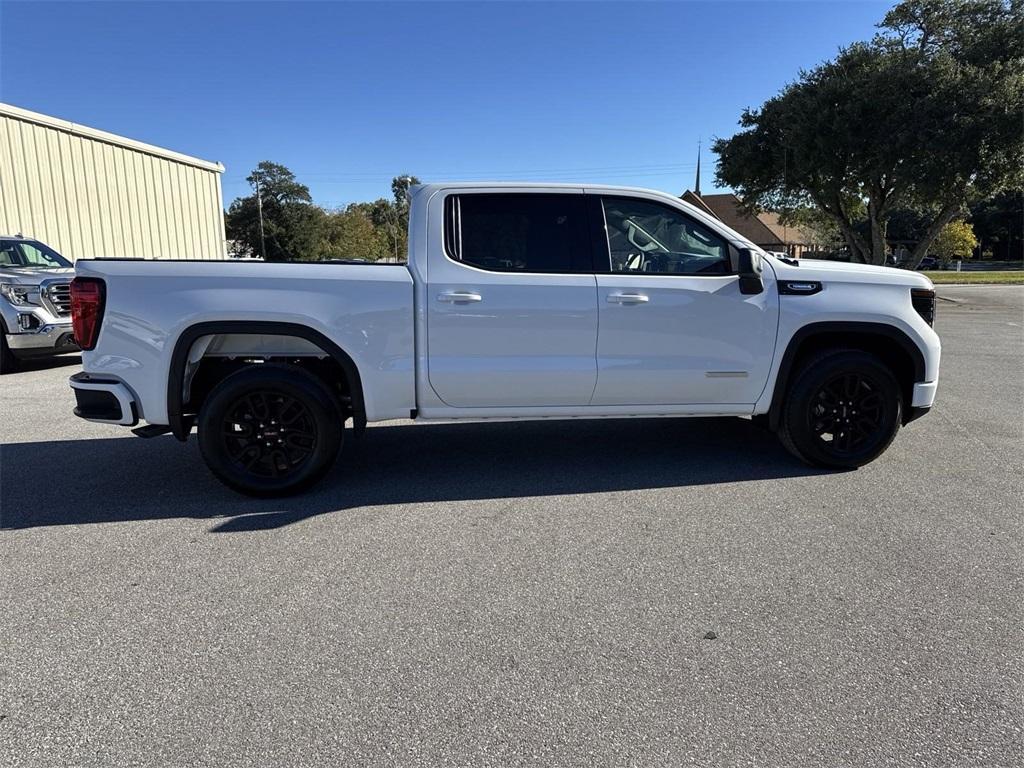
[57, 297]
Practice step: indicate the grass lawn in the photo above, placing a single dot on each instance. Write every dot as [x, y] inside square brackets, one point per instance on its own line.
[1015, 277]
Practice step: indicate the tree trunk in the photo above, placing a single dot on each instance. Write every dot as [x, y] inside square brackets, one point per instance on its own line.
[921, 249]
[859, 249]
[857, 245]
[877, 233]
[853, 246]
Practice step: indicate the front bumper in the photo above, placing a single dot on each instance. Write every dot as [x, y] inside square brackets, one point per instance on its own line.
[922, 400]
[924, 394]
[49, 339]
[106, 401]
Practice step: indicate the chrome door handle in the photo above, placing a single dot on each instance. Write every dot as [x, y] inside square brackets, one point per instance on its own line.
[459, 297]
[628, 298]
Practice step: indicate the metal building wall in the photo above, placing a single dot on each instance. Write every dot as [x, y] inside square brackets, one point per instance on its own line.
[92, 194]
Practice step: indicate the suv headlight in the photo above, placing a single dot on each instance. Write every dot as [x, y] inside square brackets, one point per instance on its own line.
[20, 295]
[923, 300]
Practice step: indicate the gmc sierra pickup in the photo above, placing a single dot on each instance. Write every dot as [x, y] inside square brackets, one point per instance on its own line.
[35, 302]
[518, 301]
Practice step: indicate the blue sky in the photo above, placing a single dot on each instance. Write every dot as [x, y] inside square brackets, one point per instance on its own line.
[350, 94]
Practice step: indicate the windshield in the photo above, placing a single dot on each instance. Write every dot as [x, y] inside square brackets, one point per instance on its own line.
[30, 253]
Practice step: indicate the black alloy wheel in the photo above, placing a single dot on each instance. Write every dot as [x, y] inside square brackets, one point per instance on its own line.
[268, 433]
[270, 430]
[843, 410]
[847, 413]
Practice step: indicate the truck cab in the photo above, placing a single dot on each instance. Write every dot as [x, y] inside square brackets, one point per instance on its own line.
[517, 301]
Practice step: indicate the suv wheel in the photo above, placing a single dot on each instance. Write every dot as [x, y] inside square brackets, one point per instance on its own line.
[8, 362]
[270, 430]
[842, 411]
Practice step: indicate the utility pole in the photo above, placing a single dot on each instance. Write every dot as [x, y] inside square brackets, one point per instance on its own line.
[259, 208]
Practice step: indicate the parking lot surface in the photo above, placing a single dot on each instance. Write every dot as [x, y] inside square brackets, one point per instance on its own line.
[648, 592]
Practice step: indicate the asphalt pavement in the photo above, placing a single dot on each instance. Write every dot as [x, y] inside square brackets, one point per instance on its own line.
[647, 592]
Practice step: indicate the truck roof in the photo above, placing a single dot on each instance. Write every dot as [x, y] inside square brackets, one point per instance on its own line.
[432, 186]
[429, 189]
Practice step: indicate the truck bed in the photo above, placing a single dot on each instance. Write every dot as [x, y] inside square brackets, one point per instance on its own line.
[363, 308]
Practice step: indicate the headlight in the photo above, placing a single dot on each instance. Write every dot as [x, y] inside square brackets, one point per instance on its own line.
[20, 294]
[923, 300]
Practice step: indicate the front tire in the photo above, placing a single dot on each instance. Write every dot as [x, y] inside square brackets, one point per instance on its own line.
[8, 362]
[843, 410]
[270, 430]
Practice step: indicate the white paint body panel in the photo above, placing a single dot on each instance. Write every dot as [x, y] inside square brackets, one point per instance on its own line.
[365, 310]
[525, 343]
[696, 340]
[523, 340]
[852, 293]
[534, 346]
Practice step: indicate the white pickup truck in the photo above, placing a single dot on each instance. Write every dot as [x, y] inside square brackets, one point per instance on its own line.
[518, 302]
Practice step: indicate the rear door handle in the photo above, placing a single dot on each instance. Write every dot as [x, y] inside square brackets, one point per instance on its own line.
[459, 297]
[628, 298]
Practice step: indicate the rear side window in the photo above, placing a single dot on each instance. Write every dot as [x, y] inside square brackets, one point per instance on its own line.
[518, 232]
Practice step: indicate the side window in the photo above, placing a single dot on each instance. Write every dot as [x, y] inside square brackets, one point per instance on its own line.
[645, 236]
[9, 254]
[518, 232]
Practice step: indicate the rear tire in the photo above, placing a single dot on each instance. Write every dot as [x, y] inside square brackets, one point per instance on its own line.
[842, 411]
[270, 430]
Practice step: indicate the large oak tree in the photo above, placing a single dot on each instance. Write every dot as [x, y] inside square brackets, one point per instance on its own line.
[928, 116]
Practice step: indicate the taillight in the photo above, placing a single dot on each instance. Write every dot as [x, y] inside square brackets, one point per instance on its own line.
[924, 302]
[88, 295]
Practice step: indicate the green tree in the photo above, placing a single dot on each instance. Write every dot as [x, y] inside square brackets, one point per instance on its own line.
[400, 186]
[906, 226]
[350, 234]
[926, 116]
[291, 223]
[392, 216]
[955, 241]
[999, 223]
[820, 226]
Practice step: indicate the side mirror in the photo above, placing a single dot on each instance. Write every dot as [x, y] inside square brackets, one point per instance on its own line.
[749, 268]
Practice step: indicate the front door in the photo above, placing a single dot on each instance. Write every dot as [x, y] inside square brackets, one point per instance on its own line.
[674, 327]
[512, 306]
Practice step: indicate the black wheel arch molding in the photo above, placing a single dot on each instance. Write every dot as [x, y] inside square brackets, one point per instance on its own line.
[181, 424]
[840, 328]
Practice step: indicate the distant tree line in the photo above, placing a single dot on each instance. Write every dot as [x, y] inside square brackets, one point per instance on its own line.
[295, 229]
[913, 130]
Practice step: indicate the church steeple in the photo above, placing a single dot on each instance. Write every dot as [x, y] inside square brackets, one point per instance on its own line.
[696, 186]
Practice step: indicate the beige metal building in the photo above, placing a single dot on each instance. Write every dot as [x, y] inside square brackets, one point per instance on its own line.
[90, 193]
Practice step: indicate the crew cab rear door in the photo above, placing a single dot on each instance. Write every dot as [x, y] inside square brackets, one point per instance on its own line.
[674, 327]
[511, 304]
